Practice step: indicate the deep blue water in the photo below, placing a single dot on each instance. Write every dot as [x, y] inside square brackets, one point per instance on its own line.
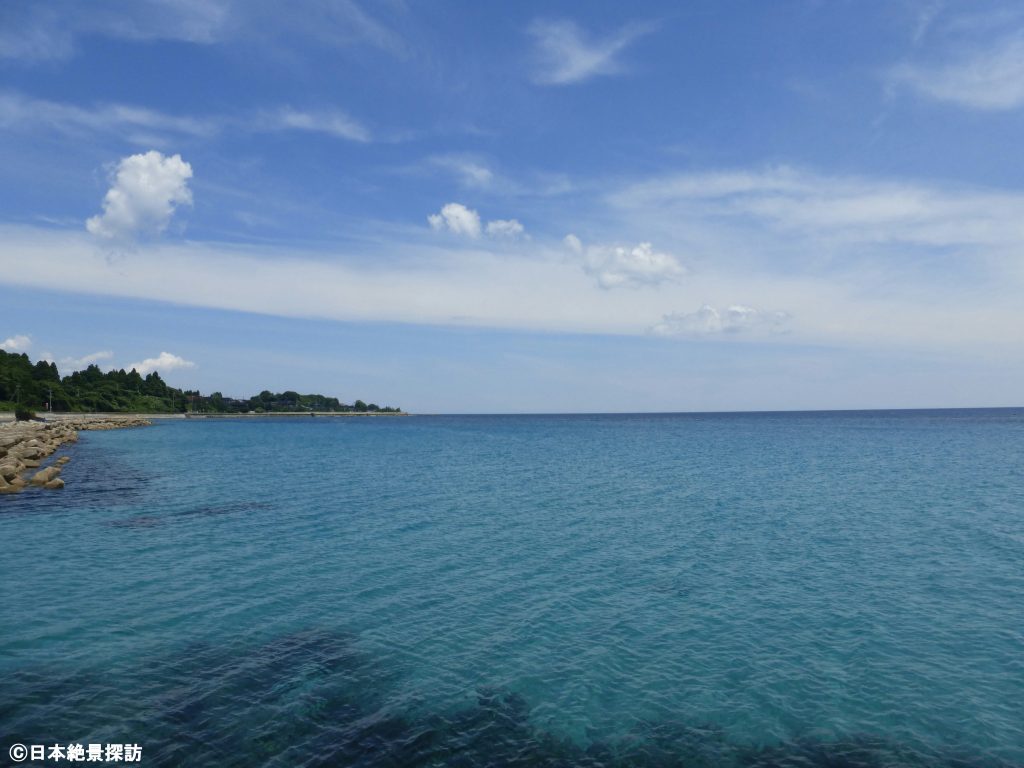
[841, 589]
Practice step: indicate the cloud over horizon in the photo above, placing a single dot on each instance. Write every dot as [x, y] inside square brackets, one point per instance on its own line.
[19, 343]
[79, 363]
[164, 363]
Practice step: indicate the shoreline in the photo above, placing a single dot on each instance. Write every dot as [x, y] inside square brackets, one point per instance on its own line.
[25, 447]
[54, 418]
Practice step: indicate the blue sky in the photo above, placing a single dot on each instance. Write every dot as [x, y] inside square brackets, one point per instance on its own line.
[480, 207]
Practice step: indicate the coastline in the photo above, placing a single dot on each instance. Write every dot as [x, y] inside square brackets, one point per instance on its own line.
[26, 446]
[8, 416]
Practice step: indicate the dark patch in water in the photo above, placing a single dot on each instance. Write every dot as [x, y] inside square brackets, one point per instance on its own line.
[212, 510]
[141, 521]
[315, 699]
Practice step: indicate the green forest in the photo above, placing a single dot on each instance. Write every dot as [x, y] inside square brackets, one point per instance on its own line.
[25, 385]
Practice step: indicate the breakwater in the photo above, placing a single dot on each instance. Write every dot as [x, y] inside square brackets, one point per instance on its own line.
[25, 446]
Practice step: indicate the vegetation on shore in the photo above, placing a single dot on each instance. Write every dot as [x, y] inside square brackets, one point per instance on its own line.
[30, 386]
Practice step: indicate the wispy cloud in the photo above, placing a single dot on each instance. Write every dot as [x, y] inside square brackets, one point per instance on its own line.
[19, 111]
[31, 31]
[987, 76]
[333, 123]
[530, 285]
[566, 54]
[829, 211]
[145, 126]
[470, 171]
[708, 320]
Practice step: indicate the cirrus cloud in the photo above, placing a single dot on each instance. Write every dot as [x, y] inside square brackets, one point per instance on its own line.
[565, 54]
[707, 320]
[990, 77]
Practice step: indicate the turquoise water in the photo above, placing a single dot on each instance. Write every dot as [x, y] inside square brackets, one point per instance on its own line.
[842, 589]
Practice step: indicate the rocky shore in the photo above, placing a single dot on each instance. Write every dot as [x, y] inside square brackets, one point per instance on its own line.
[26, 445]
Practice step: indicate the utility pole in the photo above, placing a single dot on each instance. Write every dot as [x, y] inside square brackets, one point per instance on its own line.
[49, 399]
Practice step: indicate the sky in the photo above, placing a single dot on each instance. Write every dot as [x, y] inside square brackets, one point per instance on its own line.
[473, 207]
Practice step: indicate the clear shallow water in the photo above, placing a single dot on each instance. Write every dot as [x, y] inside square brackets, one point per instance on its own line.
[839, 589]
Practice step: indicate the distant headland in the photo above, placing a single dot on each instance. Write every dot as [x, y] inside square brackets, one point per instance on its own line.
[30, 387]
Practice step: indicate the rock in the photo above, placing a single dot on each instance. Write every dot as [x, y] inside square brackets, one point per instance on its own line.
[25, 445]
[10, 468]
[26, 452]
[43, 476]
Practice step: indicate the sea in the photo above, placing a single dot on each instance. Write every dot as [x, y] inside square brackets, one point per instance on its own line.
[758, 589]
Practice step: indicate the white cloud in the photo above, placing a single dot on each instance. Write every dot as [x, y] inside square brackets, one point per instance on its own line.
[460, 220]
[18, 343]
[507, 228]
[145, 192]
[164, 362]
[565, 54]
[613, 266]
[333, 123]
[457, 218]
[708, 320]
[990, 77]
